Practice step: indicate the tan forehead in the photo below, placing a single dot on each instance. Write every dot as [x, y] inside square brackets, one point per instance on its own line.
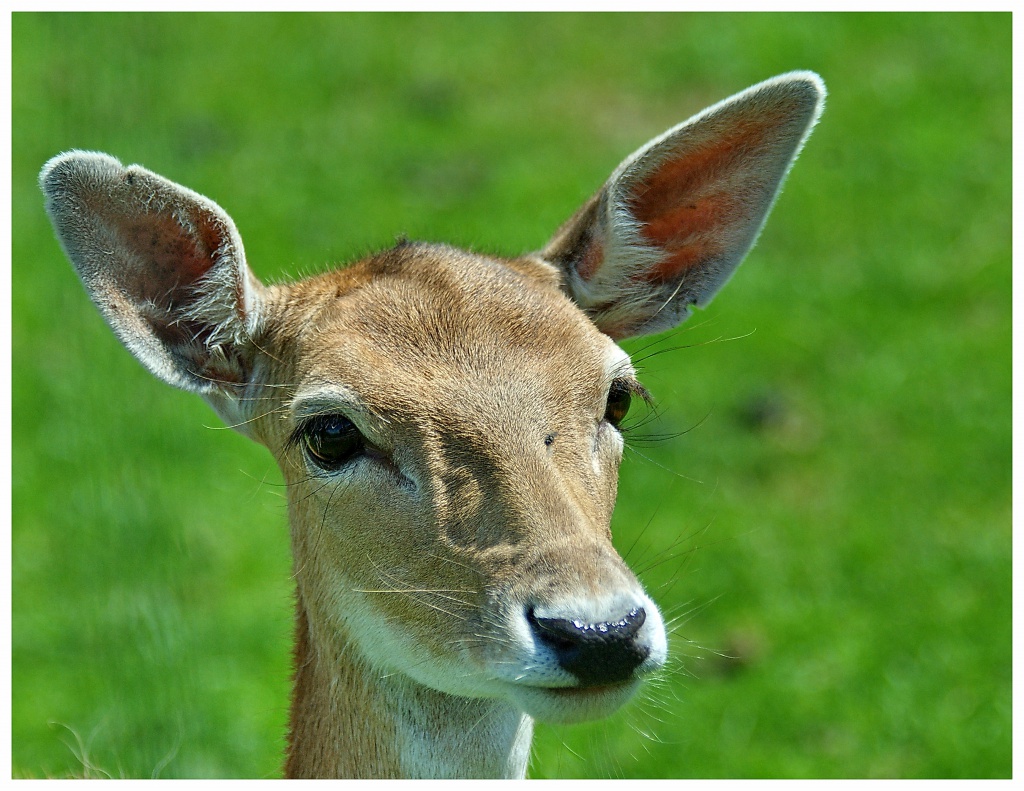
[442, 315]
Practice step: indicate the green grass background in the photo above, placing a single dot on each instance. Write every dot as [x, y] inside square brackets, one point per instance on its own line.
[831, 536]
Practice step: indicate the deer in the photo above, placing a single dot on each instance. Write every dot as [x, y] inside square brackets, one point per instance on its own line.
[448, 427]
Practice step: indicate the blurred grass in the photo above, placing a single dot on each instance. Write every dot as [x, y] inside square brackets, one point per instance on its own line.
[832, 533]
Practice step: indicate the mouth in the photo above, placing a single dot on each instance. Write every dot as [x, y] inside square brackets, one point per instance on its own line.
[584, 693]
[563, 705]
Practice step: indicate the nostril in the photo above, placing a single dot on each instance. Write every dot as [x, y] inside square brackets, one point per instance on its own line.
[556, 632]
[596, 653]
[576, 630]
[631, 624]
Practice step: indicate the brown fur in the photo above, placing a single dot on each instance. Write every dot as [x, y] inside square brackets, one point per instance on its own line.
[490, 514]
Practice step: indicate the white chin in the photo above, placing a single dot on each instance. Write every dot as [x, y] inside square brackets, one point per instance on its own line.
[572, 704]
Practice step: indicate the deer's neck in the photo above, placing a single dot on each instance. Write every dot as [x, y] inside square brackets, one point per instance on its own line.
[349, 720]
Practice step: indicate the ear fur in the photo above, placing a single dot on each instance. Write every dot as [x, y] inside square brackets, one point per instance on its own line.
[164, 265]
[677, 217]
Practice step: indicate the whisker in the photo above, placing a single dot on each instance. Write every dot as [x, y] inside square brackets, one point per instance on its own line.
[631, 449]
[244, 422]
[413, 590]
[695, 345]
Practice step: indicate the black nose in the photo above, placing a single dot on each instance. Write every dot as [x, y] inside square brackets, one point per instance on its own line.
[596, 653]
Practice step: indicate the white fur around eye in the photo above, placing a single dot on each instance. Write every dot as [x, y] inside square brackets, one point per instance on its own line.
[617, 363]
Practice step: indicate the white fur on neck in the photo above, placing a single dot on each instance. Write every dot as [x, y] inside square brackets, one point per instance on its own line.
[458, 737]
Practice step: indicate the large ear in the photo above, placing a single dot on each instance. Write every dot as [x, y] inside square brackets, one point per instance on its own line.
[676, 218]
[164, 265]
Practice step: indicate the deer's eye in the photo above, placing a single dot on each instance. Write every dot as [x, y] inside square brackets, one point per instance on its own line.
[331, 441]
[619, 397]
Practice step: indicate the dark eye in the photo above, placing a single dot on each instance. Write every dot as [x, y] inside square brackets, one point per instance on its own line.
[331, 441]
[619, 396]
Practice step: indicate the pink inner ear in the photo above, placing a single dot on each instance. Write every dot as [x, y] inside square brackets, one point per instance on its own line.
[177, 257]
[690, 206]
[593, 256]
[689, 235]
